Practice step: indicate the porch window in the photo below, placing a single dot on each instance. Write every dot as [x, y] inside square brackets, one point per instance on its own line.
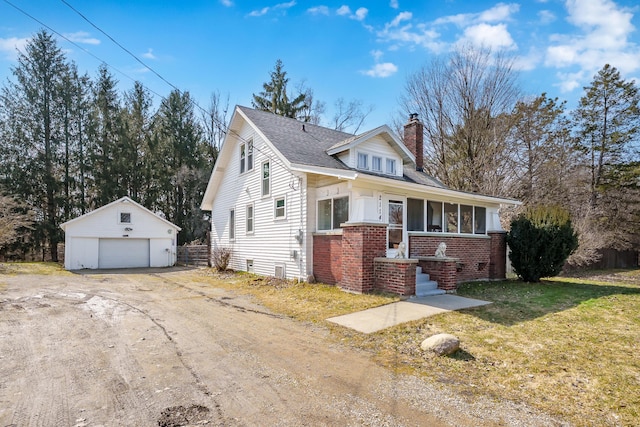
[451, 217]
[415, 215]
[434, 216]
[466, 219]
[332, 213]
[480, 220]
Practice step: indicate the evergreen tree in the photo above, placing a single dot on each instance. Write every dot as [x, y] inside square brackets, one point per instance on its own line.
[274, 97]
[33, 122]
[106, 160]
[181, 165]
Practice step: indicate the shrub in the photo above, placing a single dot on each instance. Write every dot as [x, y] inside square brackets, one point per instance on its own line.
[220, 258]
[541, 239]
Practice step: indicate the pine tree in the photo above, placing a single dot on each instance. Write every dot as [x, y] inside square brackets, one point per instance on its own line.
[274, 96]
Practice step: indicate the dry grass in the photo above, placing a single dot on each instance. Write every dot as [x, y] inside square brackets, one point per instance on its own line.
[39, 268]
[568, 346]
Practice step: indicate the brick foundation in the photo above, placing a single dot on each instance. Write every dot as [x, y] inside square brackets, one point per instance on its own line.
[442, 270]
[394, 275]
[361, 244]
[474, 254]
[327, 258]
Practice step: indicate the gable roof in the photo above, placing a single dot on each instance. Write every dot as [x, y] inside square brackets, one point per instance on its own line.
[310, 148]
[124, 199]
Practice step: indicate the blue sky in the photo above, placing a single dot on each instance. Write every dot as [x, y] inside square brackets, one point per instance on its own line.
[349, 49]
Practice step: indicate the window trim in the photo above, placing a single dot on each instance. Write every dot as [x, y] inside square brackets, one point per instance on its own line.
[373, 168]
[246, 156]
[252, 218]
[275, 208]
[333, 227]
[232, 224]
[262, 179]
[365, 156]
[387, 169]
[125, 212]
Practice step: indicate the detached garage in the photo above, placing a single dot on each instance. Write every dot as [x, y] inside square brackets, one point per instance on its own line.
[122, 234]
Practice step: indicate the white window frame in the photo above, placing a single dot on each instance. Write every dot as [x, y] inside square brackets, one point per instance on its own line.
[332, 225]
[374, 160]
[365, 158]
[284, 208]
[262, 179]
[232, 224]
[246, 156]
[125, 212]
[390, 170]
[252, 218]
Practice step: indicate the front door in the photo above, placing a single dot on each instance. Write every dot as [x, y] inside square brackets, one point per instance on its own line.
[396, 228]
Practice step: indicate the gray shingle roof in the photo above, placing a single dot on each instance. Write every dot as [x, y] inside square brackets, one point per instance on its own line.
[309, 146]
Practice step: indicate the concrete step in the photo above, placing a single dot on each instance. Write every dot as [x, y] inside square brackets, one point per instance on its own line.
[421, 278]
[430, 293]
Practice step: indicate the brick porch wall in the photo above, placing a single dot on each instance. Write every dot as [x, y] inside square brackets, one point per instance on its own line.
[442, 270]
[327, 258]
[394, 275]
[474, 253]
[361, 244]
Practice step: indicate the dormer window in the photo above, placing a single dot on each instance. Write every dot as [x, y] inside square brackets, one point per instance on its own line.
[363, 161]
[391, 166]
[376, 164]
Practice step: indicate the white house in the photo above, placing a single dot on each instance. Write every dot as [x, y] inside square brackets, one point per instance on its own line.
[122, 234]
[283, 193]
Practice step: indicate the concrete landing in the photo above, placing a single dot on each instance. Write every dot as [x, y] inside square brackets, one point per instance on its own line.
[378, 318]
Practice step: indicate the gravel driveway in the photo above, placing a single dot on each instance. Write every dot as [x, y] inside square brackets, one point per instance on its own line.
[152, 347]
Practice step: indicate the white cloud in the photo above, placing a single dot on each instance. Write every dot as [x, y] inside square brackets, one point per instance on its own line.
[11, 46]
[149, 54]
[402, 16]
[344, 10]
[394, 4]
[318, 10]
[360, 14]
[279, 6]
[82, 37]
[227, 3]
[603, 37]
[500, 12]
[382, 70]
[496, 37]
[546, 17]
[377, 54]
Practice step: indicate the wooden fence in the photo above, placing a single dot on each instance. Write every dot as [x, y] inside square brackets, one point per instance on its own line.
[194, 255]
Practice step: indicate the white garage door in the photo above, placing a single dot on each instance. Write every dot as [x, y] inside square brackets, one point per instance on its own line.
[123, 253]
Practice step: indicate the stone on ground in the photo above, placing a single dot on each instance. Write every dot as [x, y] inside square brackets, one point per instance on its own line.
[441, 344]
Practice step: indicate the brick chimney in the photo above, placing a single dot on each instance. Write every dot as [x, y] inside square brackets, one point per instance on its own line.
[414, 139]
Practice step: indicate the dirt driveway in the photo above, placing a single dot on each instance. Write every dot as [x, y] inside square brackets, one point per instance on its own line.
[155, 348]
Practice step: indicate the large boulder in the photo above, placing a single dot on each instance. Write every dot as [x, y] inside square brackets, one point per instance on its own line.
[441, 344]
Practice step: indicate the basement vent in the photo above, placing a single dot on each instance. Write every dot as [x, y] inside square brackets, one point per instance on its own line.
[279, 272]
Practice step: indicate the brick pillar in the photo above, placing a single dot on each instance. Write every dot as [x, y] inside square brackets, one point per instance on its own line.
[361, 243]
[498, 255]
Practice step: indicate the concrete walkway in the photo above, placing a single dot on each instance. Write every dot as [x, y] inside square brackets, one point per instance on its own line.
[378, 318]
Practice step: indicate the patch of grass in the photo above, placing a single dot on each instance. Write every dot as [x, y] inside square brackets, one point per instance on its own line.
[302, 301]
[39, 268]
[568, 346]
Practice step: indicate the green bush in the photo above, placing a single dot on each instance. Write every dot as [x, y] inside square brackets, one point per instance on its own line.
[541, 239]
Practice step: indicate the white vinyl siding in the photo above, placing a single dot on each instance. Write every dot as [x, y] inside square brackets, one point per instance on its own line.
[239, 190]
